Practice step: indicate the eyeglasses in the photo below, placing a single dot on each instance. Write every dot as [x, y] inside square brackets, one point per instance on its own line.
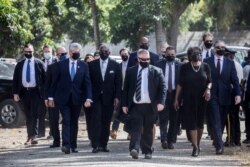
[142, 59]
[27, 51]
[220, 47]
[170, 55]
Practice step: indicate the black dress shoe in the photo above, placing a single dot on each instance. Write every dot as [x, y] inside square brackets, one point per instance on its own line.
[164, 145]
[148, 156]
[103, 149]
[219, 151]
[195, 152]
[74, 150]
[246, 141]
[170, 146]
[65, 150]
[54, 145]
[95, 150]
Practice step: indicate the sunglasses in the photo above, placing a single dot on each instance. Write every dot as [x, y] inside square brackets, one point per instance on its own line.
[210, 41]
[27, 51]
[142, 59]
[220, 47]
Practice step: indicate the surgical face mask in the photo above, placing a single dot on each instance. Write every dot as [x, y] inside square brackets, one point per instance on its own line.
[124, 57]
[144, 46]
[208, 44]
[220, 52]
[47, 56]
[75, 56]
[104, 55]
[63, 56]
[144, 64]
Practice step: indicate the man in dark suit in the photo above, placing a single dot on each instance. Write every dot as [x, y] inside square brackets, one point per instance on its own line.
[28, 86]
[144, 94]
[223, 74]
[124, 53]
[170, 68]
[144, 44]
[105, 76]
[207, 50]
[53, 111]
[70, 89]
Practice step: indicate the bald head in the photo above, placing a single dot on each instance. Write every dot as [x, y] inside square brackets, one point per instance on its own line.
[144, 43]
[60, 50]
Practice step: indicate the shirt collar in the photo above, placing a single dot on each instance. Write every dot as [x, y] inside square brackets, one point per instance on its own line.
[71, 61]
[31, 59]
[217, 57]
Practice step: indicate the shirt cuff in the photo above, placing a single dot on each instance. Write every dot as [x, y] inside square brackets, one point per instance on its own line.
[50, 98]
[89, 100]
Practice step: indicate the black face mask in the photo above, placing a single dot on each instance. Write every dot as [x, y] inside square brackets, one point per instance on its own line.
[208, 45]
[195, 57]
[63, 56]
[144, 64]
[220, 52]
[28, 56]
[104, 55]
[75, 56]
[143, 46]
[124, 57]
[169, 58]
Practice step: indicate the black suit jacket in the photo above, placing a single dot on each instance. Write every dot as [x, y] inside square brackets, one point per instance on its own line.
[156, 86]
[63, 88]
[133, 56]
[50, 75]
[162, 65]
[221, 85]
[39, 74]
[110, 88]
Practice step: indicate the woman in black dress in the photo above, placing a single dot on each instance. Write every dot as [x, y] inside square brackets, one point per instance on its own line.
[194, 84]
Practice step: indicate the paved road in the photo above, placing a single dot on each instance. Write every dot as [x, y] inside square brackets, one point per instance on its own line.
[14, 153]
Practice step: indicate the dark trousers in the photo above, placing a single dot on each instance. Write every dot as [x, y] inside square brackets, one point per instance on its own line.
[218, 120]
[88, 117]
[41, 119]
[247, 114]
[31, 100]
[54, 124]
[169, 114]
[142, 119]
[70, 115]
[100, 124]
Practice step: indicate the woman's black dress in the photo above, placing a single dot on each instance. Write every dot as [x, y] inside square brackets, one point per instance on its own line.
[194, 83]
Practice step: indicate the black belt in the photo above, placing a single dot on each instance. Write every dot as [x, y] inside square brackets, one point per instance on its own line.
[29, 88]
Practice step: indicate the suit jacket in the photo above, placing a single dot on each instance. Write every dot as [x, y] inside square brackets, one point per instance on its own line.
[50, 75]
[156, 86]
[39, 75]
[162, 65]
[221, 84]
[132, 58]
[110, 87]
[63, 88]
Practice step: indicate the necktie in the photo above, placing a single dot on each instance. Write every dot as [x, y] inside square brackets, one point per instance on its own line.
[103, 70]
[138, 87]
[28, 72]
[218, 67]
[170, 77]
[72, 71]
[207, 55]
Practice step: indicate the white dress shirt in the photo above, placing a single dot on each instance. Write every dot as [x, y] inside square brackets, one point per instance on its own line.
[124, 68]
[70, 64]
[204, 53]
[32, 82]
[221, 62]
[103, 65]
[144, 87]
[167, 75]
[47, 62]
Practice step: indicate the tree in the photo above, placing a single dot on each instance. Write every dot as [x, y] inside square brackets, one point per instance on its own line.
[95, 23]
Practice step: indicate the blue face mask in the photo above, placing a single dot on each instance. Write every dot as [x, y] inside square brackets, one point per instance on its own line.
[63, 56]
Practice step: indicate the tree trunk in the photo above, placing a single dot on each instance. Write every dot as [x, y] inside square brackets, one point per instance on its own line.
[95, 23]
[173, 31]
[159, 35]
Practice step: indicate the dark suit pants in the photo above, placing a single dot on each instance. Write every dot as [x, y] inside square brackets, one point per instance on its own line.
[142, 120]
[218, 120]
[88, 117]
[169, 114]
[41, 119]
[101, 120]
[247, 114]
[54, 124]
[31, 99]
[70, 115]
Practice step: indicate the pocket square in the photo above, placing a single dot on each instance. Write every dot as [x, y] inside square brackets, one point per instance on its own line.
[111, 72]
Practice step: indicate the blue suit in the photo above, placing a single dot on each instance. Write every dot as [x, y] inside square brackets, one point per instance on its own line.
[221, 92]
[133, 56]
[69, 95]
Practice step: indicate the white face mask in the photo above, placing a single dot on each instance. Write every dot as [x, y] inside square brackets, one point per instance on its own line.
[47, 56]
